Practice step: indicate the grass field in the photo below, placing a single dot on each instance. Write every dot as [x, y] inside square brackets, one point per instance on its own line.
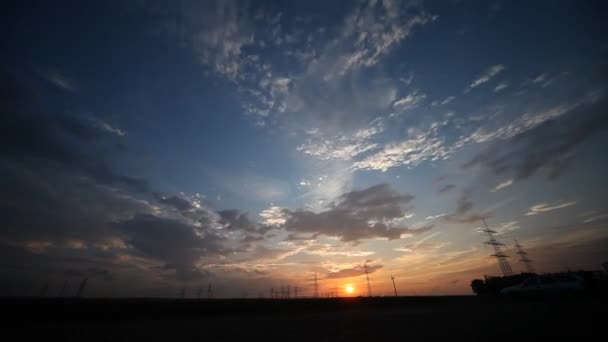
[339, 319]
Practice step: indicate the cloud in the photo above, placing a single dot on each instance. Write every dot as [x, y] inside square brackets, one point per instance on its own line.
[177, 244]
[356, 215]
[432, 217]
[543, 142]
[108, 128]
[464, 212]
[503, 185]
[356, 271]
[485, 76]
[412, 152]
[545, 207]
[343, 147]
[408, 102]
[59, 80]
[501, 87]
[446, 188]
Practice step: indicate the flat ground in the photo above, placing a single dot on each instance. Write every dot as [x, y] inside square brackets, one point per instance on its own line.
[465, 318]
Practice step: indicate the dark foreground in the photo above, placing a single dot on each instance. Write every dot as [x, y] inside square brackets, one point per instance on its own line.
[347, 319]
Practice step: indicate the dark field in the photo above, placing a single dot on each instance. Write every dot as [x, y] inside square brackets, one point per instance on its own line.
[463, 318]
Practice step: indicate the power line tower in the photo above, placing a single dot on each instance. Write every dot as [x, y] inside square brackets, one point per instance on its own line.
[369, 286]
[295, 291]
[209, 291]
[288, 292]
[498, 250]
[272, 293]
[523, 257]
[394, 287]
[315, 285]
[81, 287]
[63, 287]
[335, 291]
[44, 290]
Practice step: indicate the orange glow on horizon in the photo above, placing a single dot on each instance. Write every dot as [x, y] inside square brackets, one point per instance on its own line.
[349, 289]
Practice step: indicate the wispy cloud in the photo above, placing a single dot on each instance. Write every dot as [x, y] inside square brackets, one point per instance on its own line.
[485, 76]
[501, 87]
[503, 185]
[59, 80]
[545, 207]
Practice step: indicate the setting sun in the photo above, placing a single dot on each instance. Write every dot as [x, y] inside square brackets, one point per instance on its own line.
[350, 289]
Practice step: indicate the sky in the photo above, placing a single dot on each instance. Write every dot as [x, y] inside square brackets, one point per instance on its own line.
[153, 146]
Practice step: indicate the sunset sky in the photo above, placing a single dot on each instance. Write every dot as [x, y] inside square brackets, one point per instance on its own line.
[158, 145]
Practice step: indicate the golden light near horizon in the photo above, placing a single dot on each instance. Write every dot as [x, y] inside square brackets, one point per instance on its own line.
[350, 289]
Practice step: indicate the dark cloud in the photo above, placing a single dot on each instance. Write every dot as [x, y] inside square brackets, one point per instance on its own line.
[463, 212]
[547, 149]
[446, 188]
[356, 215]
[29, 134]
[179, 245]
[175, 202]
[353, 272]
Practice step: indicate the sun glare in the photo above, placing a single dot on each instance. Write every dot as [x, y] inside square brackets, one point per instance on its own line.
[350, 289]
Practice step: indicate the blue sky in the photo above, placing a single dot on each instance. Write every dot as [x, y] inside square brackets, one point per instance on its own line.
[157, 145]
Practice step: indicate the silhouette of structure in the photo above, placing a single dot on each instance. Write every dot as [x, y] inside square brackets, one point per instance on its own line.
[523, 257]
[295, 291]
[63, 287]
[394, 286]
[272, 292]
[81, 287]
[335, 291]
[369, 286]
[209, 291]
[44, 290]
[498, 249]
[315, 285]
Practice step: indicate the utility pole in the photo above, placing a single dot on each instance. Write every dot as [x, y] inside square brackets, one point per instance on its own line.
[394, 287]
[369, 286]
[523, 257]
[498, 250]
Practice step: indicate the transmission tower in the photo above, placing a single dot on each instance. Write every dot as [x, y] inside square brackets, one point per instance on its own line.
[272, 292]
[335, 291]
[63, 287]
[295, 291]
[288, 292]
[81, 287]
[369, 286]
[209, 291]
[315, 285]
[523, 257]
[498, 250]
[394, 287]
